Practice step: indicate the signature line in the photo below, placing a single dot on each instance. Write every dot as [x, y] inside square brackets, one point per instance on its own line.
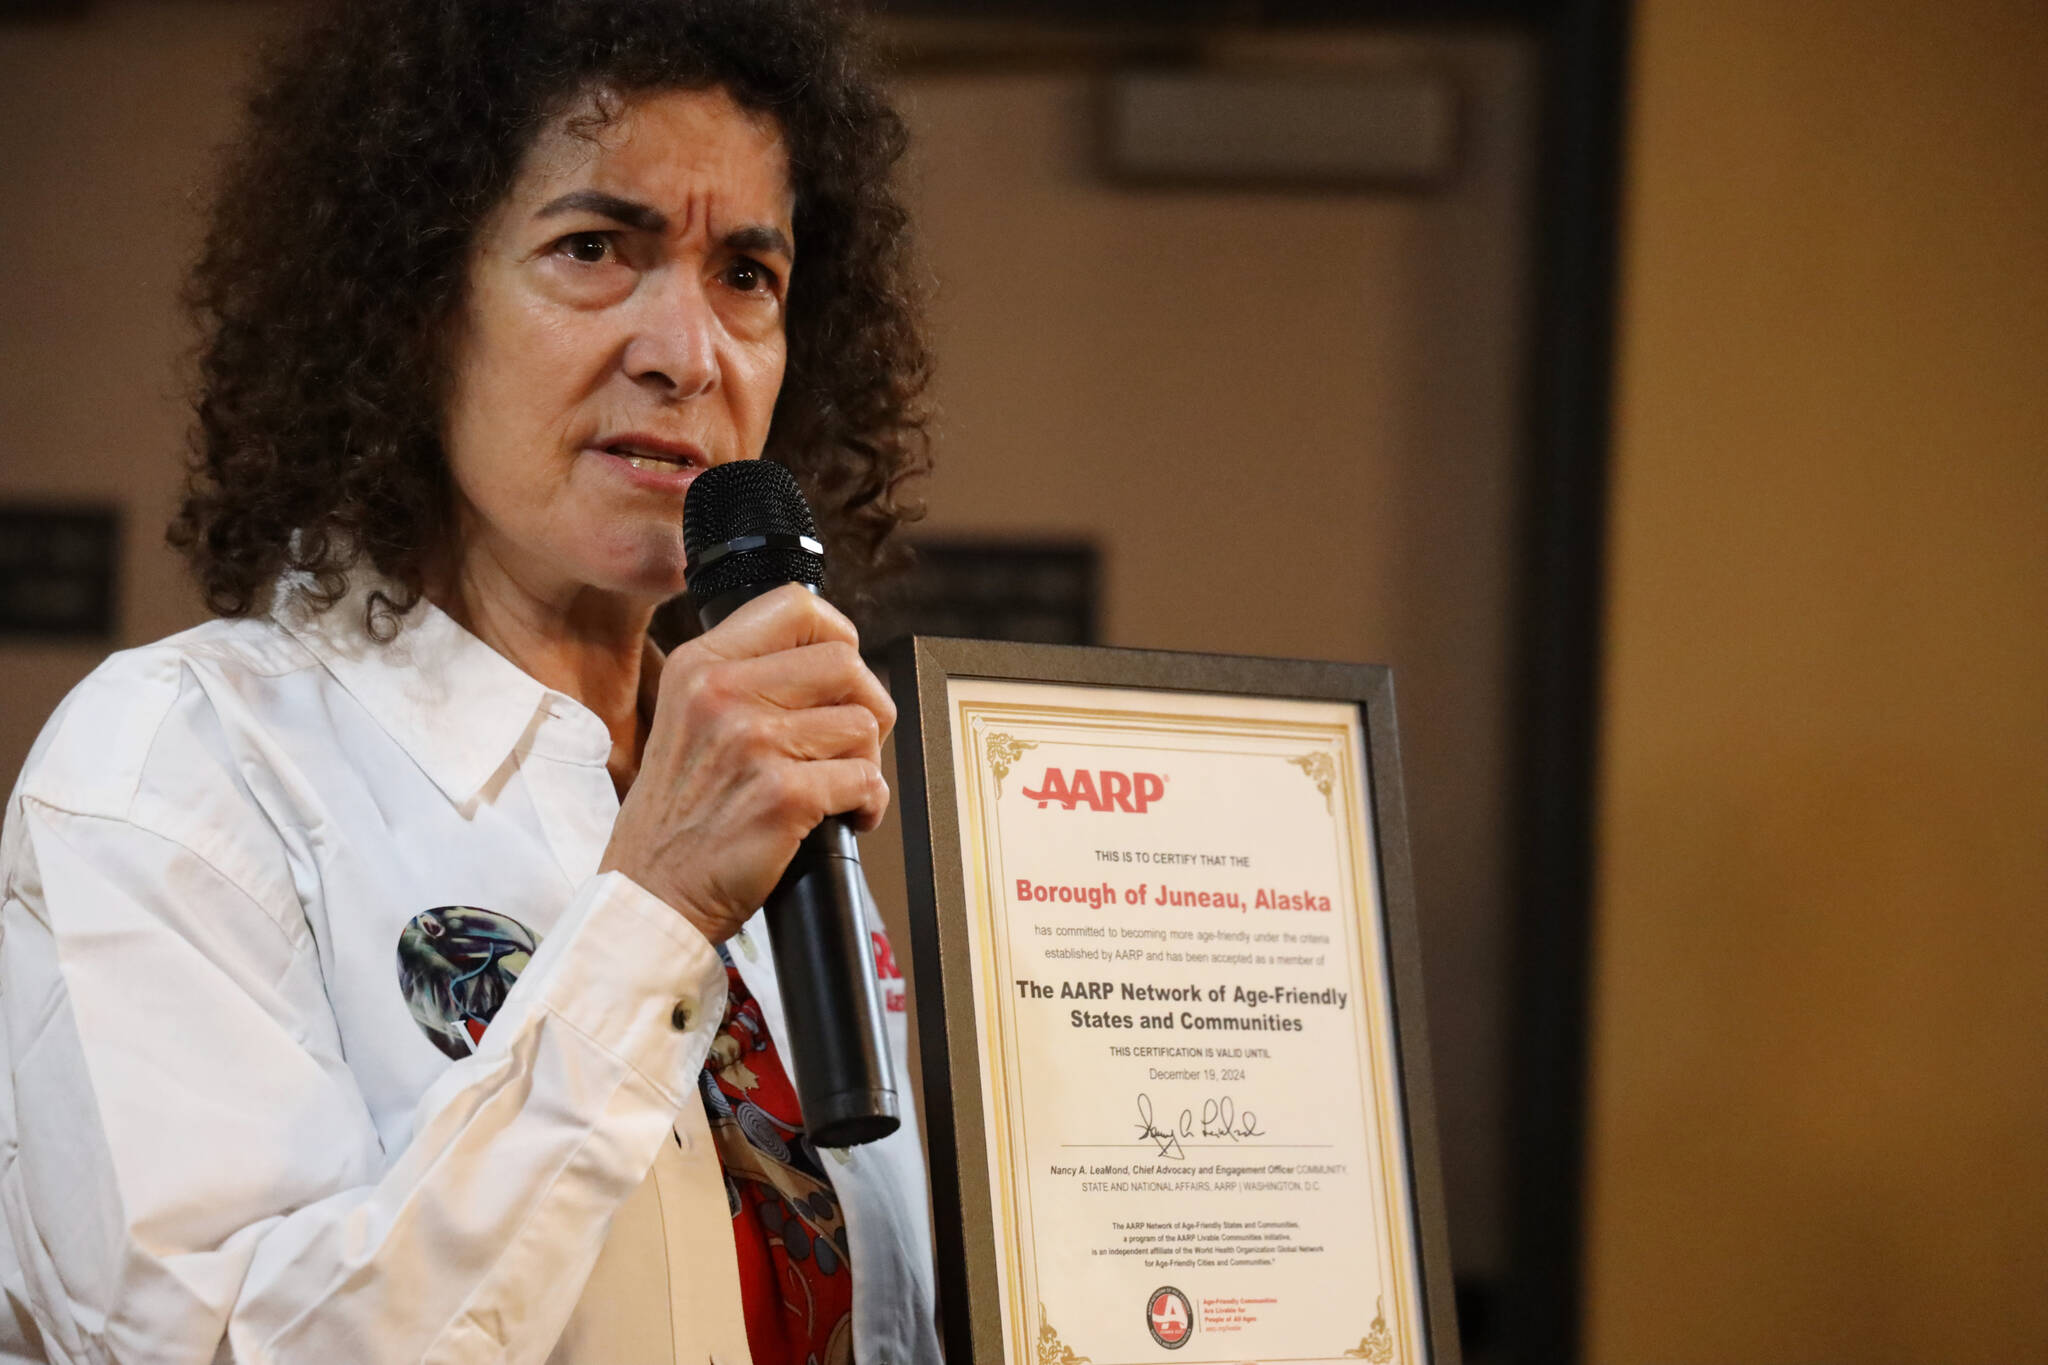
[1240, 1146]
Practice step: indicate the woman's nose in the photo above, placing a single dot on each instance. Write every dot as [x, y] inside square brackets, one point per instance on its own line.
[674, 346]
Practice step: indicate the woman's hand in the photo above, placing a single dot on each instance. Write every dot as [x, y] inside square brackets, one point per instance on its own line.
[762, 728]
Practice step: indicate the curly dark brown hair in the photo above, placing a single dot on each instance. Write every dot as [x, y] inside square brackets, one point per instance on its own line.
[378, 140]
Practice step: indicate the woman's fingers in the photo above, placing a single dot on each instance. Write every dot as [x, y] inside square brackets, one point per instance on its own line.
[852, 787]
[787, 618]
[773, 658]
[762, 727]
[827, 732]
[826, 674]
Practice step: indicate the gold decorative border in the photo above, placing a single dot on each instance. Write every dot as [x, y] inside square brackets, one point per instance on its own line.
[1002, 751]
[1051, 1350]
[1377, 1345]
[1322, 771]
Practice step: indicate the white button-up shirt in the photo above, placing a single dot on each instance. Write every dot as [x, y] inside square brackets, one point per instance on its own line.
[223, 1134]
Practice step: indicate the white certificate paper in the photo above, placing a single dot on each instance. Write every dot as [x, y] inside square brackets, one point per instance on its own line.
[1183, 1004]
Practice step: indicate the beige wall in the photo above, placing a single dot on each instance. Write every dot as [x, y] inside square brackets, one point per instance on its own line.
[105, 127]
[1820, 1102]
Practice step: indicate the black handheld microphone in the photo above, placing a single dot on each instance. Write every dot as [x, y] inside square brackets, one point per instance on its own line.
[746, 531]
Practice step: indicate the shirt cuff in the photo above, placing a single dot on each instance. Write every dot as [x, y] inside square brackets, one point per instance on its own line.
[624, 969]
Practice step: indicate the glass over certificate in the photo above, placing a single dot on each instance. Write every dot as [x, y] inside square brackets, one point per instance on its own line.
[1190, 1081]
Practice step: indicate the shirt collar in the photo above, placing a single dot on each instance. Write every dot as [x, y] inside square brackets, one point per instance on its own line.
[455, 705]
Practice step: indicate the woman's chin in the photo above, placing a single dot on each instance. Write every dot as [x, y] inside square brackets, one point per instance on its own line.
[656, 588]
[646, 579]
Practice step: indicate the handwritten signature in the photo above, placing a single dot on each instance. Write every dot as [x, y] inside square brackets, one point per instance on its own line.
[1219, 1119]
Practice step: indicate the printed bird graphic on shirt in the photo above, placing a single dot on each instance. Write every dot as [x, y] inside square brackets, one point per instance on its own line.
[456, 964]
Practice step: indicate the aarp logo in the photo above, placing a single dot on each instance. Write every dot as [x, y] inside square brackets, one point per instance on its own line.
[1103, 789]
[1170, 1317]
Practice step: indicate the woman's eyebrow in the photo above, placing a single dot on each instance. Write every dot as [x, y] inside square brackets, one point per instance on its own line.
[647, 218]
[643, 217]
[761, 238]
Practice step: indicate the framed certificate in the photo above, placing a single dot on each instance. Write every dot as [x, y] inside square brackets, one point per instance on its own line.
[1170, 1001]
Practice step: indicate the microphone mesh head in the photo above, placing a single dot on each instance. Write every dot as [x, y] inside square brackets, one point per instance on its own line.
[748, 498]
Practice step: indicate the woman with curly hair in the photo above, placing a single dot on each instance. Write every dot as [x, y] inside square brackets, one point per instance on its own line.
[380, 970]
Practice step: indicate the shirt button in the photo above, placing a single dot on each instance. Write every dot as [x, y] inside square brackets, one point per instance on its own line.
[680, 1016]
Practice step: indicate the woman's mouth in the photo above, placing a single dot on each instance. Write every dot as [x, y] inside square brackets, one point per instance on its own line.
[649, 461]
[653, 464]
[665, 459]
[658, 464]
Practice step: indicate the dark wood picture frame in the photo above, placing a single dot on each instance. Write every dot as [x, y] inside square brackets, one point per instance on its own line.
[942, 965]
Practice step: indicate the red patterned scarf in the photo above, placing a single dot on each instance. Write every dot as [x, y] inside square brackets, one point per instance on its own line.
[795, 1282]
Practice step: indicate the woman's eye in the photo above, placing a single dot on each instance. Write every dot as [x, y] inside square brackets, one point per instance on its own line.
[588, 248]
[749, 276]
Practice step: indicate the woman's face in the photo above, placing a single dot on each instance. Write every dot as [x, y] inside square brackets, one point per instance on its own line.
[623, 330]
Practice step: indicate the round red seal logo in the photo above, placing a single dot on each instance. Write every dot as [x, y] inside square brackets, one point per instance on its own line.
[1169, 1317]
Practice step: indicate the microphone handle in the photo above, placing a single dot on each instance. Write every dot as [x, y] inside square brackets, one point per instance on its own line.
[825, 961]
[825, 958]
